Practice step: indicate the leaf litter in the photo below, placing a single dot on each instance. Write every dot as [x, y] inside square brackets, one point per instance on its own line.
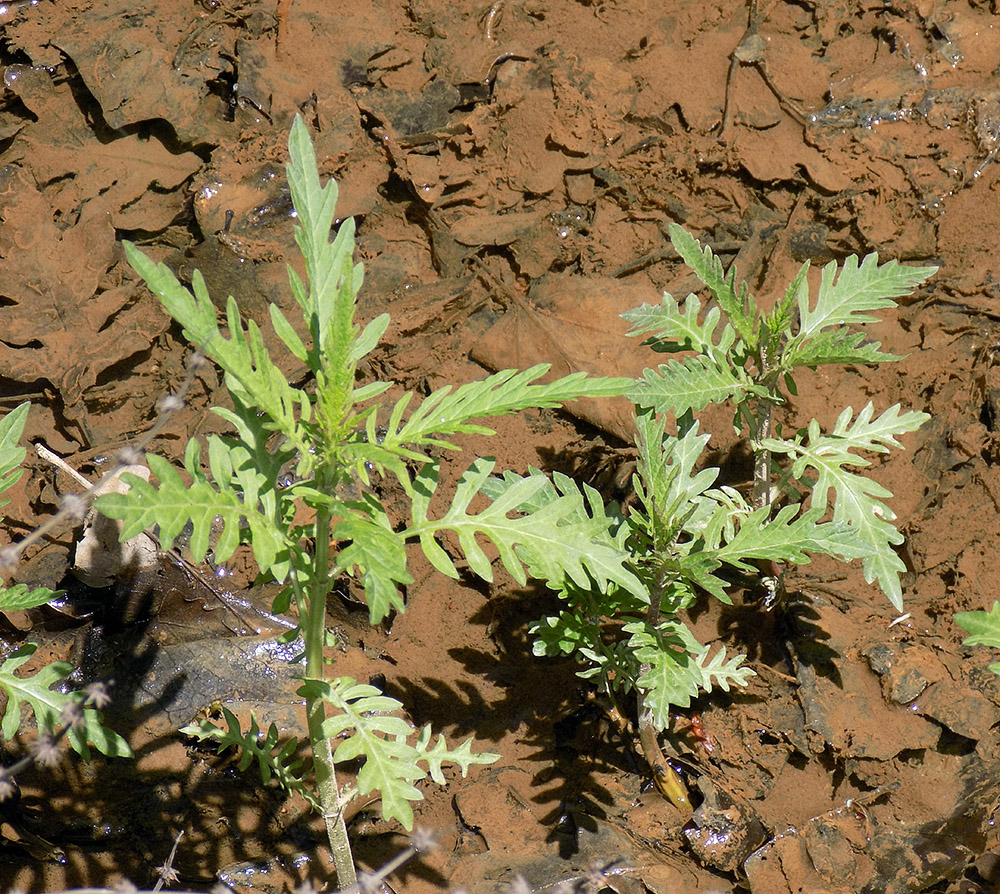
[506, 212]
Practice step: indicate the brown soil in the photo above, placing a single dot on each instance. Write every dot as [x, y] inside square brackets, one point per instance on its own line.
[512, 170]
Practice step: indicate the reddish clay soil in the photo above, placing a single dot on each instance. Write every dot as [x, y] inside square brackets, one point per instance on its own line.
[512, 170]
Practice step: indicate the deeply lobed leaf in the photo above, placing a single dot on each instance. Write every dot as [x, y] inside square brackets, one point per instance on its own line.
[377, 552]
[790, 537]
[673, 329]
[274, 758]
[373, 732]
[679, 667]
[841, 346]
[439, 754]
[686, 530]
[561, 539]
[449, 411]
[250, 373]
[667, 484]
[171, 505]
[563, 634]
[36, 691]
[738, 306]
[692, 384]
[848, 295]
[858, 502]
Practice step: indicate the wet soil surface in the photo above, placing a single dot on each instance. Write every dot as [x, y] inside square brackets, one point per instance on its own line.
[512, 169]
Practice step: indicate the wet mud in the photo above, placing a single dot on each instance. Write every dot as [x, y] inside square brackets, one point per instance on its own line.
[512, 170]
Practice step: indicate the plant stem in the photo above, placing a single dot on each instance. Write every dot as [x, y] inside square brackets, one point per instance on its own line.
[665, 777]
[761, 455]
[760, 424]
[313, 632]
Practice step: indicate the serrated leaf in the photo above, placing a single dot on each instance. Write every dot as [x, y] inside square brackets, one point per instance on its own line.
[717, 516]
[334, 281]
[859, 501]
[367, 456]
[171, 505]
[880, 434]
[841, 346]
[608, 525]
[390, 762]
[313, 202]
[46, 704]
[847, 295]
[691, 384]
[669, 486]
[255, 456]
[679, 667]
[19, 598]
[449, 411]
[697, 569]
[789, 537]
[250, 374]
[604, 521]
[673, 329]
[274, 758]
[560, 540]
[562, 634]
[614, 666]
[778, 321]
[739, 307]
[377, 552]
[195, 312]
[984, 627]
[717, 672]
[330, 271]
[673, 677]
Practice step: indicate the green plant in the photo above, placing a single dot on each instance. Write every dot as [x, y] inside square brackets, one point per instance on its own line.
[36, 690]
[686, 535]
[337, 440]
[984, 627]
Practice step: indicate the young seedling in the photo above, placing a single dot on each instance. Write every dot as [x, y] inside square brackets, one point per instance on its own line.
[337, 440]
[686, 536]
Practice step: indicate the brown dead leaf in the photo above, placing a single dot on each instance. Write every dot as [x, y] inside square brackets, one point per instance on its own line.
[573, 322]
[129, 63]
[111, 177]
[64, 320]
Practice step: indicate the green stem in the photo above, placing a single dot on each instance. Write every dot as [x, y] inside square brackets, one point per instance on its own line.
[666, 779]
[313, 633]
[760, 428]
[761, 455]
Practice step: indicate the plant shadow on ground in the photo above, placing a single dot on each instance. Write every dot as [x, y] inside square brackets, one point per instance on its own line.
[141, 809]
[135, 807]
[565, 736]
[766, 635]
